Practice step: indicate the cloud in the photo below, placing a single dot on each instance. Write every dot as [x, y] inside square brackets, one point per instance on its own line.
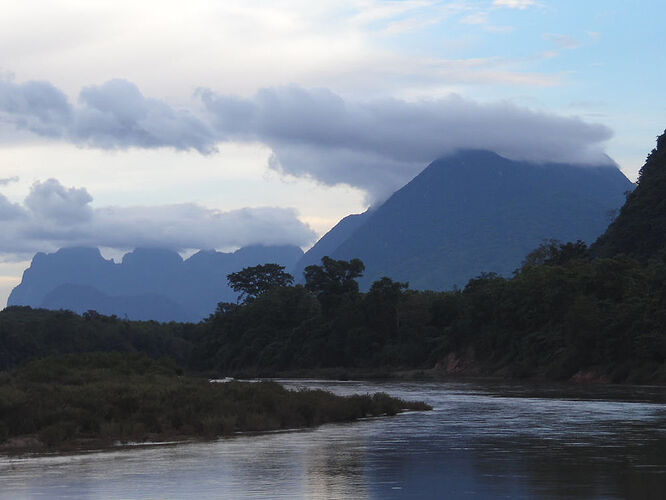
[9, 211]
[514, 4]
[380, 145]
[475, 18]
[35, 106]
[53, 216]
[562, 41]
[8, 180]
[376, 145]
[114, 115]
[51, 201]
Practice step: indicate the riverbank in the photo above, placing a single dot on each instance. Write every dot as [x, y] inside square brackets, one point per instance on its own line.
[590, 376]
[98, 400]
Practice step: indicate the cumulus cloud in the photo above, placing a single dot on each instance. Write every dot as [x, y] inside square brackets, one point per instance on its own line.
[379, 145]
[10, 211]
[51, 201]
[8, 180]
[114, 115]
[53, 216]
[375, 145]
[36, 106]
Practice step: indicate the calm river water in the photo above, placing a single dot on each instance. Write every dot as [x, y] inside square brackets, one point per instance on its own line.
[482, 441]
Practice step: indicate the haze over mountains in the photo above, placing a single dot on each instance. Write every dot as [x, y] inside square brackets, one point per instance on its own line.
[467, 213]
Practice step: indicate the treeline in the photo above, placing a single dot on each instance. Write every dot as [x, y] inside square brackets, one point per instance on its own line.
[562, 313]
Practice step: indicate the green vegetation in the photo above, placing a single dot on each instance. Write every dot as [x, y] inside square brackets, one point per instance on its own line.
[565, 314]
[640, 228]
[70, 400]
[27, 333]
[252, 282]
[568, 312]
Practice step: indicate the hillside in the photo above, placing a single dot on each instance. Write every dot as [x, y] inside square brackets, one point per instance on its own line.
[330, 242]
[475, 212]
[640, 228]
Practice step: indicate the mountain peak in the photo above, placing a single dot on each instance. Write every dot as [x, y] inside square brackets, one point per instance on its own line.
[476, 211]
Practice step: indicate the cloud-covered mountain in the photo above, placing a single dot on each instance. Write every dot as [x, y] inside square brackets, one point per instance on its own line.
[380, 145]
[475, 211]
[148, 284]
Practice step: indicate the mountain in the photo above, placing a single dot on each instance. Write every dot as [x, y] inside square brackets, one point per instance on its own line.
[147, 284]
[640, 228]
[140, 307]
[328, 243]
[475, 211]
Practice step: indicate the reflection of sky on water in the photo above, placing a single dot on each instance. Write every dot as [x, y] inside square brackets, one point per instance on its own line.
[480, 441]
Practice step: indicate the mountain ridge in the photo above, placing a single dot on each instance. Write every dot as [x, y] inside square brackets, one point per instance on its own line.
[192, 286]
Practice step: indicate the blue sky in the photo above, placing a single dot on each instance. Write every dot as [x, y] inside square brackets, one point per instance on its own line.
[236, 122]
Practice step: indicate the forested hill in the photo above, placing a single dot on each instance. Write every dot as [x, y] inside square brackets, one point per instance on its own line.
[640, 228]
[475, 211]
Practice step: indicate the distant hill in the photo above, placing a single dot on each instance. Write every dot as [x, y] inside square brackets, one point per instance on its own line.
[148, 284]
[473, 212]
[640, 228]
[142, 307]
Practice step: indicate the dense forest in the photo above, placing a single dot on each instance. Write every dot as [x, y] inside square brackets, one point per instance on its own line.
[568, 312]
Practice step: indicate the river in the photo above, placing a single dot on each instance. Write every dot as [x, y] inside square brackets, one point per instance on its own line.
[482, 440]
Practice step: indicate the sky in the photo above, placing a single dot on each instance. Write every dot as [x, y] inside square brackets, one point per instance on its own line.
[207, 124]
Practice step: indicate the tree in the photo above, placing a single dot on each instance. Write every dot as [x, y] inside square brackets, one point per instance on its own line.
[556, 253]
[254, 281]
[382, 304]
[334, 281]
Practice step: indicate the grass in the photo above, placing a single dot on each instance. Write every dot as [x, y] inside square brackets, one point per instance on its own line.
[78, 400]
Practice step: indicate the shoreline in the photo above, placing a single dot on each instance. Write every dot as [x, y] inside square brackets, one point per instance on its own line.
[589, 377]
[31, 446]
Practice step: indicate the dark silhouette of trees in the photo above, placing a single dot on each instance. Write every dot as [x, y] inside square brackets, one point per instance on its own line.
[383, 305]
[254, 281]
[554, 252]
[334, 282]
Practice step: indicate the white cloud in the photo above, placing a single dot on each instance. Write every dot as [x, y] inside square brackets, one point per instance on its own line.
[514, 4]
[8, 180]
[53, 216]
[235, 46]
[475, 18]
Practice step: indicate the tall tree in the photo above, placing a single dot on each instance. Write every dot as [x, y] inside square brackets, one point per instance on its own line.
[254, 281]
[334, 281]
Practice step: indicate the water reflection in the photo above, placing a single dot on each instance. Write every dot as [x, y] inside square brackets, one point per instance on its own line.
[482, 440]
[337, 467]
